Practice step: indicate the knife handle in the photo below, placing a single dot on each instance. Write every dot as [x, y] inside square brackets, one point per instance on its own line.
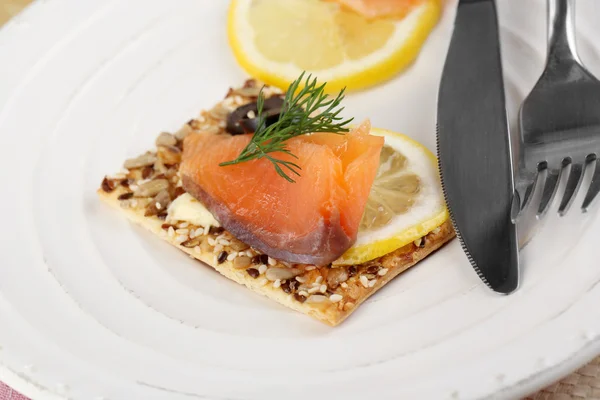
[561, 31]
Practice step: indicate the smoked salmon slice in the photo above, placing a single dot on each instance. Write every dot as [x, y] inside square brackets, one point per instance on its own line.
[379, 8]
[312, 221]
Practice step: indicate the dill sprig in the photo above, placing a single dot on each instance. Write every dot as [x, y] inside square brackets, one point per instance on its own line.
[304, 111]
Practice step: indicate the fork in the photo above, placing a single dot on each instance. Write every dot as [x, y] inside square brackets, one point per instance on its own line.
[559, 123]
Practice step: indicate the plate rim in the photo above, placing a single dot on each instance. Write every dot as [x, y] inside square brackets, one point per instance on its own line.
[527, 385]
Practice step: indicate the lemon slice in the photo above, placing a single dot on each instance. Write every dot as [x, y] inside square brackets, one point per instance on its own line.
[406, 201]
[275, 40]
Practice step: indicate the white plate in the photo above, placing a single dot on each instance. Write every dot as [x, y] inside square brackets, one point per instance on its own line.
[92, 307]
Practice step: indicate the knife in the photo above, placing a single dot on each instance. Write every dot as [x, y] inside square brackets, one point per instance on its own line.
[474, 150]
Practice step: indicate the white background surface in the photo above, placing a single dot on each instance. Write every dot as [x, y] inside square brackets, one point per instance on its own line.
[92, 307]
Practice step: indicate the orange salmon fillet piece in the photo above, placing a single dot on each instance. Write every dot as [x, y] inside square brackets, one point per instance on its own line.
[379, 8]
[312, 221]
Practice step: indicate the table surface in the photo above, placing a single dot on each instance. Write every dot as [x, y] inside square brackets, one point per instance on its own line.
[582, 384]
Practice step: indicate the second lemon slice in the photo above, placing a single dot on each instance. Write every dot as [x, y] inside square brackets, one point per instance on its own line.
[406, 200]
[275, 40]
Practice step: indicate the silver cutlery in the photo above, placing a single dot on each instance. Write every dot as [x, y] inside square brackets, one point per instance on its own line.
[474, 146]
[559, 123]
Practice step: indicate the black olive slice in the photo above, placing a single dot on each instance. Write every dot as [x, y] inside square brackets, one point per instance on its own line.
[239, 123]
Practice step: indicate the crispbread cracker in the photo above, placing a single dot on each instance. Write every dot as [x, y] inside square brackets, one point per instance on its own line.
[326, 293]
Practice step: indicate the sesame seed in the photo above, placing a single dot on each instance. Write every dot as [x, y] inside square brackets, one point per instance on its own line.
[262, 269]
[272, 262]
[323, 288]
[277, 283]
[335, 298]
[224, 242]
[232, 256]
[372, 282]
[192, 234]
[315, 284]
[133, 187]
[382, 271]
[199, 232]
[211, 241]
[158, 205]
[303, 293]
[142, 181]
[181, 238]
[249, 253]
[182, 231]
[263, 281]
[364, 281]
[319, 279]
[317, 298]
[206, 230]
[171, 232]
[344, 285]
[251, 114]
[314, 289]
[197, 249]
[301, 279]
[310, 268]
[183, 225]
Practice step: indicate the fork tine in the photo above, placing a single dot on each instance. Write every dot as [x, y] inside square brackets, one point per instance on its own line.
[594, 187]
[528, 192]
[573, 184]
[524, 188]
[550, 189]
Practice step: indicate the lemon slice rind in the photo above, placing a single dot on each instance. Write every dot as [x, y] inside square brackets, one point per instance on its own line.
[427, 213]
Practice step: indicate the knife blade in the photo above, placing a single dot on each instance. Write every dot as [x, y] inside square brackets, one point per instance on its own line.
[474, 151]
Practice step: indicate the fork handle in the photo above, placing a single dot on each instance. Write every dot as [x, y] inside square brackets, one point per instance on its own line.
[561, 31]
